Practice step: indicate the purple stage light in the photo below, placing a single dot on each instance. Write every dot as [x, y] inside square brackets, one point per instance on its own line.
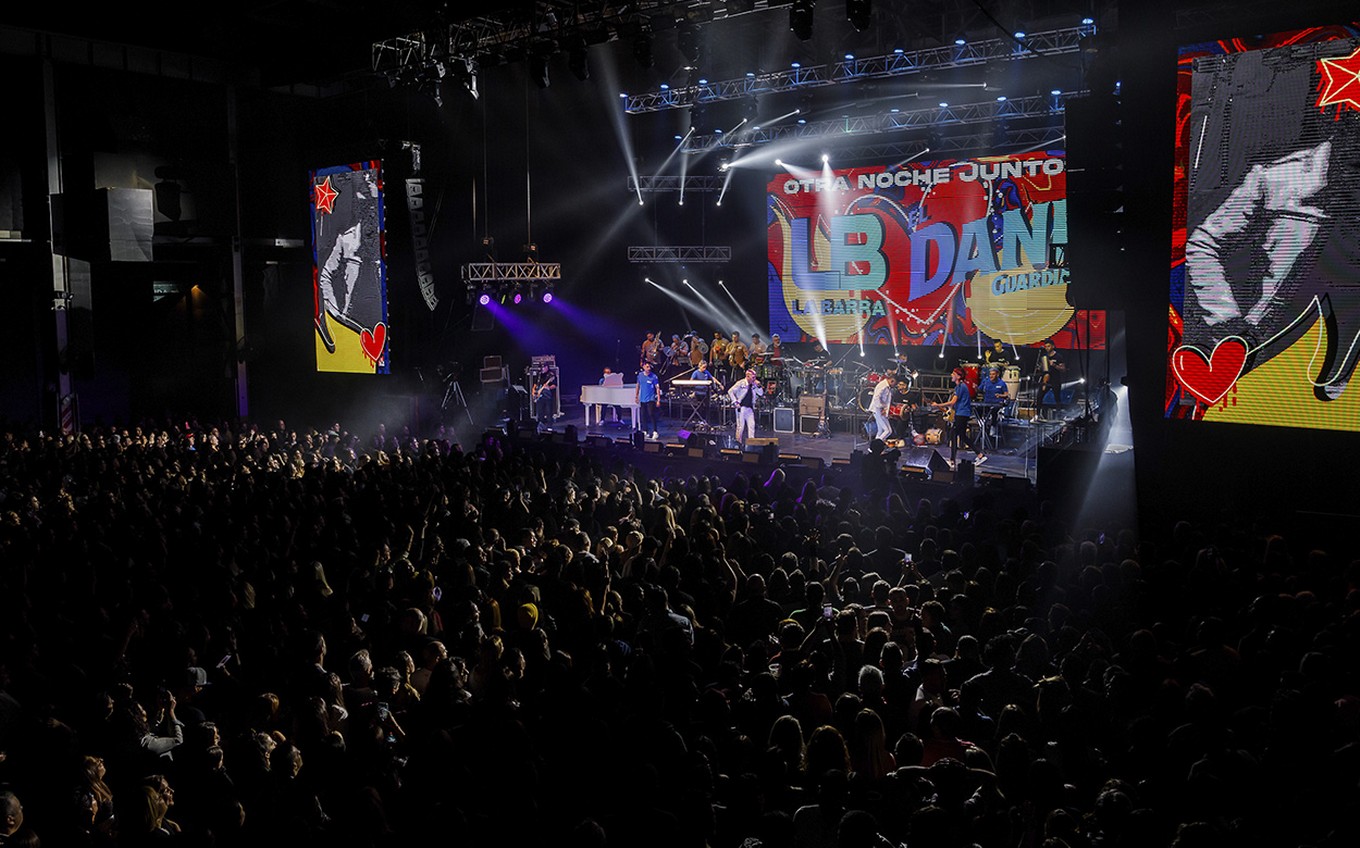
[518, 297]
[484, 299]
[547, 297]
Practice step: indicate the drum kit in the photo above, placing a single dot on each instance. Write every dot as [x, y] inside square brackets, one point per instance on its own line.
[869, 380]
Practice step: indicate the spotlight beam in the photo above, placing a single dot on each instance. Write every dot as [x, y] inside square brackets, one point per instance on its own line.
[744, 314]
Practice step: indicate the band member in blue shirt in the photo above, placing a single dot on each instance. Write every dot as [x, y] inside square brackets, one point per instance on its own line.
[701, 372]
[961, 402]
[993, 392]
[992, 389]
[648, 394]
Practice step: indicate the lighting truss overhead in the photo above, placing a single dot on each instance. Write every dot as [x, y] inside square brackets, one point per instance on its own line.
[1021, 140]
[511, 272]
[958, 114]
[1049, 43]
[669, 183]
[676, 254]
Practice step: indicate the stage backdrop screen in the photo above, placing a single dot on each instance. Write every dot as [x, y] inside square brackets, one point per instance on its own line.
[1265, 270]
[349, 269]
[942, 252]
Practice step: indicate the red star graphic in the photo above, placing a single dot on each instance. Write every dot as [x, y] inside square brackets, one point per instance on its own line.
[1340, 82]
[325, 196]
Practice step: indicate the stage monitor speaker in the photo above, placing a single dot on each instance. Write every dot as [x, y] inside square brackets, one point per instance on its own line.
[491, 362]
[730, 454]
[684, 435]
[814, 462]
[926, 458]
[762, 441]
[694, 453]
[809, 425]
[651, 447]
[783, 419]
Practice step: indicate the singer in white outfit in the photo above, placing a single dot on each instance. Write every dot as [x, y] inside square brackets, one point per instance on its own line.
[743, 394]
[879, 403]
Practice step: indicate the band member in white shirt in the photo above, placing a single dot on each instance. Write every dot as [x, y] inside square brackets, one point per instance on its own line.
[879, 403]
[743, 395]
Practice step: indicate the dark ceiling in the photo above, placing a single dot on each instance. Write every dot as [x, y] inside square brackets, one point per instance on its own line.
[321, 42]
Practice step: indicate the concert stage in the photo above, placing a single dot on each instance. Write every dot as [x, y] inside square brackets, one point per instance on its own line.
[1012, 446]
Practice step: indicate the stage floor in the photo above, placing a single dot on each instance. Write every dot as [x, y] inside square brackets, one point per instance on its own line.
[1012, 452]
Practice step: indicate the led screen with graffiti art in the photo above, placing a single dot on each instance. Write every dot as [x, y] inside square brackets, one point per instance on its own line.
[944, 252]
[349, 269]
[1265, 271]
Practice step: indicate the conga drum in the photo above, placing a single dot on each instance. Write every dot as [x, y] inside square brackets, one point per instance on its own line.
[1011, 377]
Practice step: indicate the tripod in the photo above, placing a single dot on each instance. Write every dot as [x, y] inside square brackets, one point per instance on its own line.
[453, 393]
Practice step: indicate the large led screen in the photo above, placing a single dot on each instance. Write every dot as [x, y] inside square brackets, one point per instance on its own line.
[943, 252]
[349, 269]
[1265, 272]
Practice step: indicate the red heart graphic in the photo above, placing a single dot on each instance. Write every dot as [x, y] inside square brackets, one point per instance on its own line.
[374, 342]
[1210, 378]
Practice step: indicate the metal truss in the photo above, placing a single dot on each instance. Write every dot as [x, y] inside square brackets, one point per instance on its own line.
[1017, 140]
[940, 117]
[678, 253]
[541, 26]
[494, 273]
[1049, 43]
[675, 183]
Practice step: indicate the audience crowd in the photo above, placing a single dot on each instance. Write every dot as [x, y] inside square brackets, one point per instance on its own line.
[216, 637]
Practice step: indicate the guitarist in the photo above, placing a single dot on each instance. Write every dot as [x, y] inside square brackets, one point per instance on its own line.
[544, 396]
[1050, 370]
[960, 404]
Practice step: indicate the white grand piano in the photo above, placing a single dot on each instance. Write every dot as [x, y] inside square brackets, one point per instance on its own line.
[593, 397]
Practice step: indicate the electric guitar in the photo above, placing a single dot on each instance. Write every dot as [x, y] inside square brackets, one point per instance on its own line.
[544, 388]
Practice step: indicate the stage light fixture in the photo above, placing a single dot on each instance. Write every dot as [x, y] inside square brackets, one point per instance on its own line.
[484, 299]
[518, 298]
[538, 68]
[859, 13]
[688, 40]
[547, 297]
[642, 48]
[578, 59]
[800, 18]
